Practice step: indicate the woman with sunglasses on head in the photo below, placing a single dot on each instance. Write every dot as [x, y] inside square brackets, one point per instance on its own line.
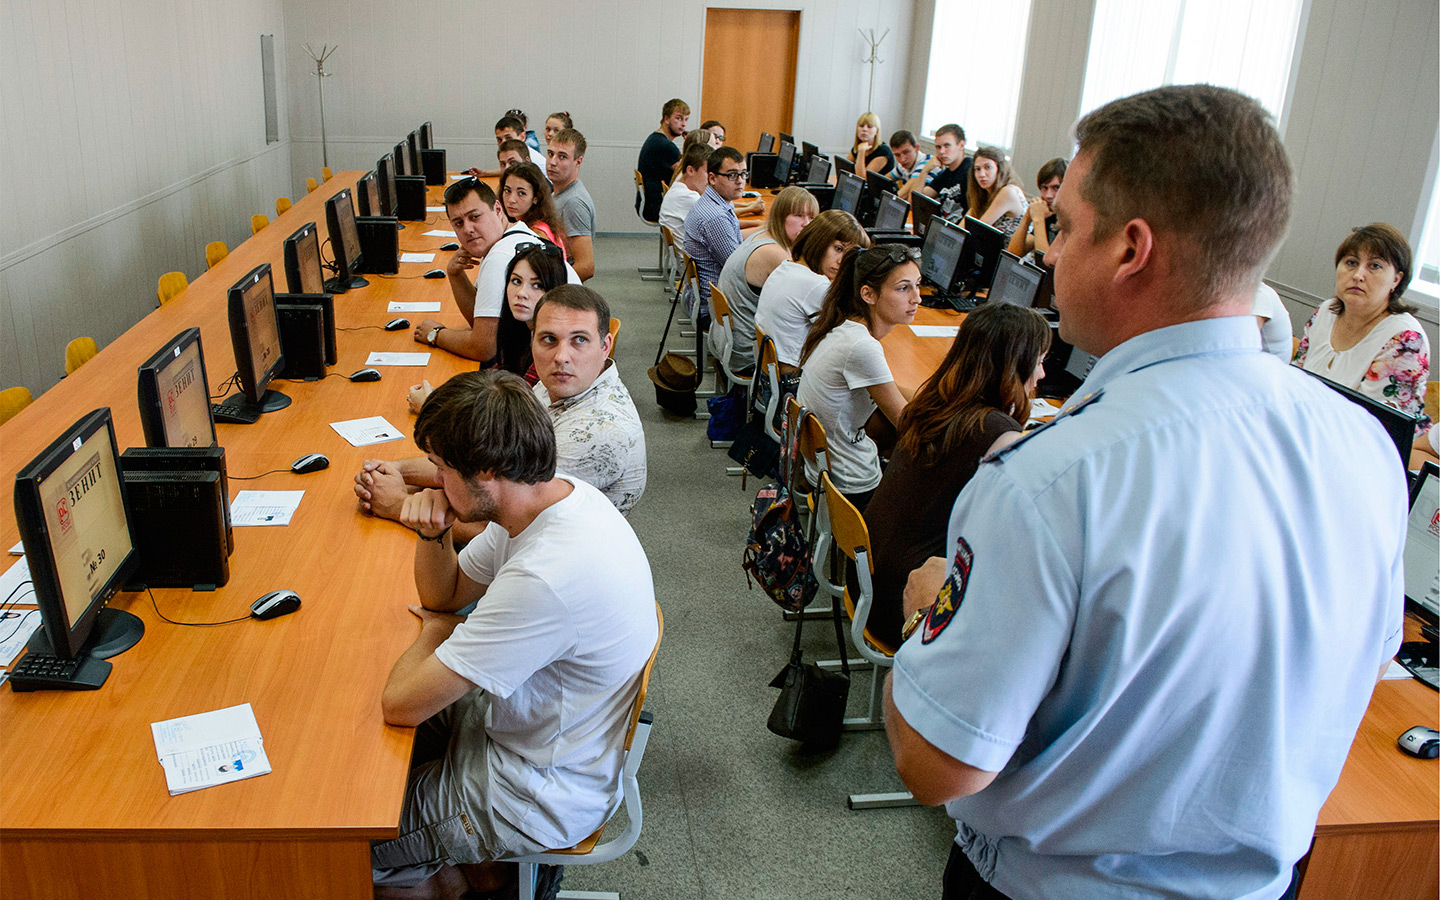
[844, 378]
[525, 196]
[975, 403]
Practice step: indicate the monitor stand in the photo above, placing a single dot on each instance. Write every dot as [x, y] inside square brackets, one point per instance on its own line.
[336, 286]
[114, 632]
[246, 413]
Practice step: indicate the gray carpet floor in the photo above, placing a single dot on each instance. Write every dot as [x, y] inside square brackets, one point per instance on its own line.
[731, 810]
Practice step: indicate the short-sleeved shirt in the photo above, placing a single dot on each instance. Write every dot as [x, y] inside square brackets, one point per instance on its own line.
[598, 437]
[1275, 334]
[490, 275]
[790, 297]
[882, 151]
[1162, 624]
[902, 174]
[558, 641]
[712, 232]
[658, 156]
[678, 202]
[949, 186]
[576, 209]
[744, 299]
[1391, 363]
[834, 386]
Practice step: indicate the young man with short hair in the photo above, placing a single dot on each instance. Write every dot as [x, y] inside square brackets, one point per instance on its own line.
[712, 230]
[945, 175]
[512, 152]
[659, 154]
[577, 210]
[1038, 227]
[908, 158]
[1139, 670]
[680, 199]
[522, 705]
[485, 241]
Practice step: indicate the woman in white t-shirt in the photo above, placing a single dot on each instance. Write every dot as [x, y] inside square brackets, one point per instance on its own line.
[845, 380]
[1366, 338]
[792, 295]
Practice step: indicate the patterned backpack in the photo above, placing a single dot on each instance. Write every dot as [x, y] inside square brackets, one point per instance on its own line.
[777, 553]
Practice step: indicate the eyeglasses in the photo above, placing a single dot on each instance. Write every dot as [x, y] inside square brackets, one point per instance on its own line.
[739, 175]
[875, 257]
[545, 247]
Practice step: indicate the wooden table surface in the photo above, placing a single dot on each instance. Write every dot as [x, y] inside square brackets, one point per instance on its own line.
[83, 764]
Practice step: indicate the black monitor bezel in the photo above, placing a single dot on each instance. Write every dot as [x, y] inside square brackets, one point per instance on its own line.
[412, 148]
[293, 278]
[767, 143]
[385, 180]
[878, 184]
[365, 205]
[986, 243]
[147, 388]
[787, 138]
[1427, 471]
[345, 268]
[843, 164]
[427, 136]
[933, 207]
[859, 197]
[926, 251]
[401, 156]
[784, 166]
[66, 638]
[808, 150]
[252, 385]
[813, 177]
[891, 198]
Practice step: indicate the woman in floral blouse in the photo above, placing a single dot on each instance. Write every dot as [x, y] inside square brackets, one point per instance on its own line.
[1366, 338]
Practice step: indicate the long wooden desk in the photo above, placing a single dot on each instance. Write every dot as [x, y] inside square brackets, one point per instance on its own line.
[84, 810]
[1378, 835]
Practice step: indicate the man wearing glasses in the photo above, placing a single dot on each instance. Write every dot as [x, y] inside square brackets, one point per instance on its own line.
[712, 231]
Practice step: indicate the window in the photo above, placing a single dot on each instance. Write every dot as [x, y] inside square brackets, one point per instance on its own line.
[974, 77]
[1427, 256]
[1136, 45]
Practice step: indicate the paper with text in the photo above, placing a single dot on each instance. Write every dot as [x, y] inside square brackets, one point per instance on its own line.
[256, 508]
[364, 432]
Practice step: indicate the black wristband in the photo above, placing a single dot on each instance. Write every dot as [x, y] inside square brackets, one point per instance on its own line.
[439, 536]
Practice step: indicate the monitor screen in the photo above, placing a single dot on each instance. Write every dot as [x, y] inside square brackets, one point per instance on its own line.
[878, 184]
[787, 138]
[385, 174]
[1399, 425]
[1015, 281]
[1080, 363]
[784, 160]
[1422, 541]
[848, 190]
[892, 213]
[70, 505]
[844, 165]
[303, 274]
[925, 207]
[344, 237]
[402, 159]
[255, 331]
[174, 395]
[984, 248]
[819, 171]
[940, 256]
[427, 137]
[808, 150]
[367, 195]
[412, 147]
[767, 143]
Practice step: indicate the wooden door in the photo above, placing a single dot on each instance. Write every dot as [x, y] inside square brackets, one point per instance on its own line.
[748, 84]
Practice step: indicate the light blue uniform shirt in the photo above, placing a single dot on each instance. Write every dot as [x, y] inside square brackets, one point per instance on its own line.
[1170, 609]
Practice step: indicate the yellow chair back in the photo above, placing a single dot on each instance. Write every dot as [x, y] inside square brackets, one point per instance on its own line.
[171, 284]
[257, 222]
[78, 352]
[12, 400]
[214, 252]
[311, 184]
[326, 174]
[281, 204]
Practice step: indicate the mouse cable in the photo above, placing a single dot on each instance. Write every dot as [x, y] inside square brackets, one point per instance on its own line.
[401, 277]
[226, 385]
[363, 328]
[196, 624]
[11, 601]
[261, 475]
[313, 380]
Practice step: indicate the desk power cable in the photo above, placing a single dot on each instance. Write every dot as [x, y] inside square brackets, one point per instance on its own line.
[226, 387]
[193, 624]
[359, 328]
[398, 277]
[6, 608]
[261, 475]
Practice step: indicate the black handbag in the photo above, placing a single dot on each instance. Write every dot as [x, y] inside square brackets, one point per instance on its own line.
[811, 705]
[756, 451]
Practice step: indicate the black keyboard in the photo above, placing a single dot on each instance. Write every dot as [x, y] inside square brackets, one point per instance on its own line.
[37, 672]
[233, 415]
[957, 302]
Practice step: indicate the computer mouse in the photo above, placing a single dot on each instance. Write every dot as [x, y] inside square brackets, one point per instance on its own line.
[1420, 741]
[365, 375]
[397, 324]
[450, 246]
[310, 462]
[435, 273]
[275, 604]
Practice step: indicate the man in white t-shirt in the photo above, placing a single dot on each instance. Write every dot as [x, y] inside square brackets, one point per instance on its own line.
[694, 176]
[522, 705]
[486, 242]
[1276, 333]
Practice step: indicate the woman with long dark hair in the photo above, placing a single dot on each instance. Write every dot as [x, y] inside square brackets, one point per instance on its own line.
[526, 197]
[536, 268]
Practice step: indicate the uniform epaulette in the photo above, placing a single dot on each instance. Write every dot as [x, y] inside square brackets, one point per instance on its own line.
[1069, 411]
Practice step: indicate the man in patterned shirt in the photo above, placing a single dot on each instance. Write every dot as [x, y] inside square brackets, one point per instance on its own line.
[598, 434]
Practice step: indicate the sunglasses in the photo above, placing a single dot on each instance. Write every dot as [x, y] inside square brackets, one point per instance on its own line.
[545, 247]
[873, 258]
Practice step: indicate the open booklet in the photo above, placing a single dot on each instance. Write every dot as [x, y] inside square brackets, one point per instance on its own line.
[210, 748]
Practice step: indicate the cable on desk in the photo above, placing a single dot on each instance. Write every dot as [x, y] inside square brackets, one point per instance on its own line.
[261, 475]
[361, 328]
[400, 277]
[313, 380]
[226, 386]
[10, 601]
[194, 624]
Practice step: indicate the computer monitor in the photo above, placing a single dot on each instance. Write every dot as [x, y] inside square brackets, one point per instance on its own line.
[784, 162]
[1015, 282]
[892, 213]
[983, 248]
[767, 143]
[1422, 544]
[923, 209]
[367, 195]
[787, 138]
[412, 148]
[385, 176]
[818, 171]
[1045, 294]
[940, 256]
[1080, 363]
[843, 165]
[808, 150]
[1400, 426]
[303, 272]
[401, 156]
[174, 395]
[344, 244]
[849, 189]
[427, 137]
[70, 506]
[255, 338]
[878, 184]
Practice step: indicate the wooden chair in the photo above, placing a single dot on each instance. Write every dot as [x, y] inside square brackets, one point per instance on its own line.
[326, 174]
[670, 264]
[1432, 400]
[1294, 346]
[590, 850]
[720, 313]
[767, 367]
[258, 222]
[170, 285]
[12, 400]
[78, 352]
[281, 204]
[614, 335]
[310, 185]
[214, 252]
[850, 534]
[657, 271]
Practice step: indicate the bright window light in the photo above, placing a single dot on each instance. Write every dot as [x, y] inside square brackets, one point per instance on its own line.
[977, 52]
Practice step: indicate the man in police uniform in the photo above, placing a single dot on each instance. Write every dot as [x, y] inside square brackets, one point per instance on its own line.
[1139, 670]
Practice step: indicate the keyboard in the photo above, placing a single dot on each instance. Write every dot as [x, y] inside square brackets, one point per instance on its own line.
[233, 415]
[37, 672]
[957, 302]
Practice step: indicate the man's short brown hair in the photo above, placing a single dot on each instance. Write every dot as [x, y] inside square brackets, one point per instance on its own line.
[696, 156]
[953, 130]
[467, 186]
[573, 138]
[581, 298]
[514, 145]
[1198, 161]
[671, 106]
[488, 422]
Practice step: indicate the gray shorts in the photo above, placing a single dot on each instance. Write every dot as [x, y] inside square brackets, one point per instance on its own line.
[447, 818]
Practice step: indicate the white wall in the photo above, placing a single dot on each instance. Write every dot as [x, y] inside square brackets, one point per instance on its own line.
[611, 65]
[135, 133]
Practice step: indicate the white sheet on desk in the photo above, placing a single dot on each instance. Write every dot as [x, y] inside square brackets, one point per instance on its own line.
[434, 209]
[19, 624]
[417, 257]
[367, 431]
[264, 507]
[938, 331]
[403, 306]
[16, 575]
[384, 358]
[440, 232]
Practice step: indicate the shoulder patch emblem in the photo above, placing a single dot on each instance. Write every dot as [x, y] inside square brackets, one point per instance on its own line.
[952, 594]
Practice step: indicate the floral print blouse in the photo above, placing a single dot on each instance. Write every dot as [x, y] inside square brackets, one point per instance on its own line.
[1391, 363]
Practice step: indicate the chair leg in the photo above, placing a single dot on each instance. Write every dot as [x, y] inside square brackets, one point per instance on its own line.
[874, 719]
[881, 801]
[588, 895]
[527, 881]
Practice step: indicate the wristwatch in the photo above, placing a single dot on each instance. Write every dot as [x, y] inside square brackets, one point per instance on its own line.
[914, 621]
[434, 333]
